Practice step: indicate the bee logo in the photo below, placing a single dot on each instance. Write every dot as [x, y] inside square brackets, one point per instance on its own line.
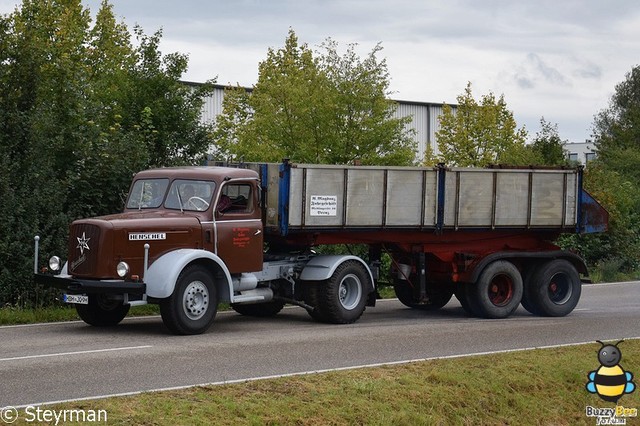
[610, 381]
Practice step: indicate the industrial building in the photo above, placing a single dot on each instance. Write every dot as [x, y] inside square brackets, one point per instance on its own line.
[581, 152]
[424, 116]
[424, 124]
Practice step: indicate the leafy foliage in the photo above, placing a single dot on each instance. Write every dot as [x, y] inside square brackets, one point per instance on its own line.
[617, 129]
[81, 109]
[320, 109]
[621, 244]
[547, 148]
[479, 133]
[614, 178]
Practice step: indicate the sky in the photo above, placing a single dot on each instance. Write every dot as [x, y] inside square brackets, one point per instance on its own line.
[560, 60]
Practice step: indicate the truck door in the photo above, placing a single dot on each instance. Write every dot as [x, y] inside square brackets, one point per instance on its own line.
[238, 226]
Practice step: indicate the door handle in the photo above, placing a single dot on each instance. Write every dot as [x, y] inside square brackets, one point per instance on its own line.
[258, 232]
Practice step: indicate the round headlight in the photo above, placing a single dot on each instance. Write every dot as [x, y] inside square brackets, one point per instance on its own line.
[122, 269]
[54, 263]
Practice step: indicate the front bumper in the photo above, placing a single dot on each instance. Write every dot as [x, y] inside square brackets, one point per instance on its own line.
[73, 285]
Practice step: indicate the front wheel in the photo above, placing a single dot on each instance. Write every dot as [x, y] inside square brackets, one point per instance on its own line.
[498, 291]
[102, 312]
[194, 302]
[341, 299]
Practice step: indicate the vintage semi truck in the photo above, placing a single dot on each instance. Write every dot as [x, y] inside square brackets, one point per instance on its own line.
[191, 238]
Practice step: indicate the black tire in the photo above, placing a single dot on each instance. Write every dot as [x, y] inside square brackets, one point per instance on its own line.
[102, 312]
[498, 291]
[526, 298]
[461, 295]
[193, 305]
[342, 298]
[267, 309]
[555, 288]
[438, 295]
[312, 298]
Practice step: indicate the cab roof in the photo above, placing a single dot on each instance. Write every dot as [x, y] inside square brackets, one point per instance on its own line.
[198, 172]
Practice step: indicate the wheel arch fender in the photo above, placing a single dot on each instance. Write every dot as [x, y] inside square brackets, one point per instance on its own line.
[162, 274]
[322, 268]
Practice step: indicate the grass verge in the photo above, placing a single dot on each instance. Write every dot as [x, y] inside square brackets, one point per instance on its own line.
[536, 387]
[14, 316]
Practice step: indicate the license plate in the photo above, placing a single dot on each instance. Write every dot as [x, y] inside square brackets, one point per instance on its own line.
[76, 298]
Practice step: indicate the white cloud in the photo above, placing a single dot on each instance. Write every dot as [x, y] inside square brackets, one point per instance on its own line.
[560, 60]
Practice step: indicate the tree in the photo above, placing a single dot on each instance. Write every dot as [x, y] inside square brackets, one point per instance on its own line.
[478, 134]
[81, 110]
[613, 178]
[322, 109]
[547, 148]
[617, 129]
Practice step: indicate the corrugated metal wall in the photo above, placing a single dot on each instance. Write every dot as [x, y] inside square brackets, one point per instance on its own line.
[424, 118]
[213, 105]
[424, 123]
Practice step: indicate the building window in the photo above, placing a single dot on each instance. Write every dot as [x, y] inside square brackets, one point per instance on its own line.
[573, 157]
[589, 156]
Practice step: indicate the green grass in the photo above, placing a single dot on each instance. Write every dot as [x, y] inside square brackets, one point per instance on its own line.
[611, 271]
[13, 316]
[537, 387]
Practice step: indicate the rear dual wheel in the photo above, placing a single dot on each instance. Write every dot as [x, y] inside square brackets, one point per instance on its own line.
[341, 299]
[553, 289]
[497, 292]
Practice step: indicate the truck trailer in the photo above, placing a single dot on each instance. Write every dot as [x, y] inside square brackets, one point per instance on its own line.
[190, 238]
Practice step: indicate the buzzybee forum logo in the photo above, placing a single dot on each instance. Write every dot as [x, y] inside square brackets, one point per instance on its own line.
[610, 382]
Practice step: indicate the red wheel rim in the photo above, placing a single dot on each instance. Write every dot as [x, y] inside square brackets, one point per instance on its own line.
[501, 290]
[559, 289]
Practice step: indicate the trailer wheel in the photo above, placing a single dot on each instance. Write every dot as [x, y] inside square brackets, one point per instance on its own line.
[194, 302]
[498, 291]
[526, 298]
[342, 298]
[461, 295]
[555, 288]
[267, 309]
[102, 312]
[438, 295]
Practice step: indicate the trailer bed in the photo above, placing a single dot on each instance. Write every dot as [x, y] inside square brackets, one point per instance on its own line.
[302, 197]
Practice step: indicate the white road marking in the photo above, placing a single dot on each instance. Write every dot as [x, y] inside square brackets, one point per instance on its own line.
[15, 358]
[304, 373]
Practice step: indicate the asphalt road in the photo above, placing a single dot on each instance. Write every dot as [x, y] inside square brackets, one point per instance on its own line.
[57, 362]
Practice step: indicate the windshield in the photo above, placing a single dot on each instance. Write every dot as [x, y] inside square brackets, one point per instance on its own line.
[191, 195]
[147, 193]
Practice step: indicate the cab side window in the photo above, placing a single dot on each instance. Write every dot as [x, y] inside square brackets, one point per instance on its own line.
[236, 198]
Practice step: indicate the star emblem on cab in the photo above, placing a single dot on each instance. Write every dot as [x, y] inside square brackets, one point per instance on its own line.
[83, 243]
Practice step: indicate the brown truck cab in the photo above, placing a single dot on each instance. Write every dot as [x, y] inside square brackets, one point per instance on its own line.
[176, 222]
